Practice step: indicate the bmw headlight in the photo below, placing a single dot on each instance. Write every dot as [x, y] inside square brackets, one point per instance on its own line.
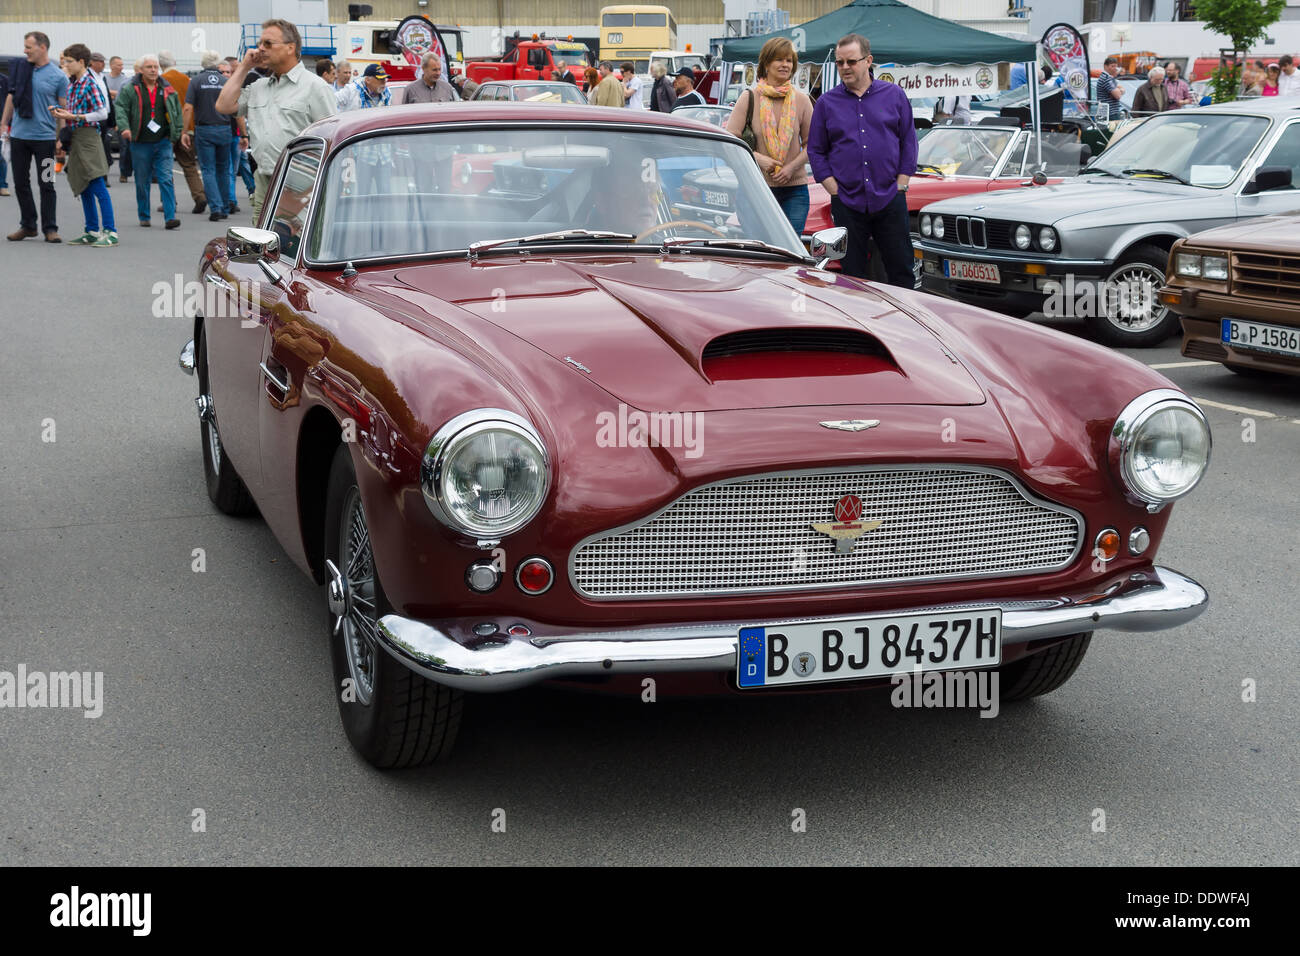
[925, 225]
[1161, 444]
[1047, 239]
[938, 227]
[485, 473]
[1023, 237]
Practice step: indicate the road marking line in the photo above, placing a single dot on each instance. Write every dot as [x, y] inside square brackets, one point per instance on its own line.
[1182, 364]
[1240, 409]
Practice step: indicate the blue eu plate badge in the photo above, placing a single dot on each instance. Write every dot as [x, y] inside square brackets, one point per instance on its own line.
[753, 650]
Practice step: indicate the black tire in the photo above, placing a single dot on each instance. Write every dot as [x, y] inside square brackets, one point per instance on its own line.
[225, 487]
[1045, 671]
[391, 715]
[1143, 267]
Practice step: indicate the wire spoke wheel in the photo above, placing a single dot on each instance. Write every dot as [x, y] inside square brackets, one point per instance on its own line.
[360, 616]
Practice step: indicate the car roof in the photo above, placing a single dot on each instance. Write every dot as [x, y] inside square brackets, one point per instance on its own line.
[341, 126]
[1276, 106]
[526, 83]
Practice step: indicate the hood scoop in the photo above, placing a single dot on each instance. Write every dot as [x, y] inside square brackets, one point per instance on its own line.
[794, 353]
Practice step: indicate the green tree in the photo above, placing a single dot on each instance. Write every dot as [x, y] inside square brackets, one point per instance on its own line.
[1245, 21]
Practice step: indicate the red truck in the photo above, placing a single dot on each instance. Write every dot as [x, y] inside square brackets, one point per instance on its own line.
[539, 59]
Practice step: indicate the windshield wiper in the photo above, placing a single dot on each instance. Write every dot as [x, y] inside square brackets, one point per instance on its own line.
[936, 169]
[564, 235]
[1163, 173]
[1098, 169]
[755, 244]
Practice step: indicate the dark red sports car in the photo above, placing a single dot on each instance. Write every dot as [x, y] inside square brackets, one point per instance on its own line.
[550, 429]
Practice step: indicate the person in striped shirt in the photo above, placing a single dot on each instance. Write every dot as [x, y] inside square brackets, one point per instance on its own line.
[87, 167]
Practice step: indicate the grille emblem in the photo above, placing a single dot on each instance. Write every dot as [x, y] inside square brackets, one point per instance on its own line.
[848, 526]
[852, 425]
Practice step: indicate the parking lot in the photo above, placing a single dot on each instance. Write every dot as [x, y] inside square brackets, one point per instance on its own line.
[219, 739]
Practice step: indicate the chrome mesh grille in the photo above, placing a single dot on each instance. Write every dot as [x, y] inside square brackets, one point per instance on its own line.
[755, 534]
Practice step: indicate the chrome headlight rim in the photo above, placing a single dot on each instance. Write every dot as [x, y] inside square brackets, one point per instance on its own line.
[1022, 232]
[1128, 425]
[925, 226]
[466, 425]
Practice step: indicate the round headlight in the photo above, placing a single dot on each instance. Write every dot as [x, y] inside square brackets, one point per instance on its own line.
[938, 227]
[485, 473]
[1047, 239]
[1163, 444]
[1022, 236]
[925, 225]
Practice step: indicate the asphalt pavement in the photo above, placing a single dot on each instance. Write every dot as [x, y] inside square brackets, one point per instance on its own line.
[218, 695]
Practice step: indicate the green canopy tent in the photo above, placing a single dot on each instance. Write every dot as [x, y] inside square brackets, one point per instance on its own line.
[897, 33]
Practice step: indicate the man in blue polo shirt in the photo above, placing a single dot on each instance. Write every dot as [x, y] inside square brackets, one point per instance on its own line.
[862, 147]
[39, 86]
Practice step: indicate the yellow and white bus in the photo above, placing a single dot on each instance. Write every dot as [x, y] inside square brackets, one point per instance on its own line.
[634, 31]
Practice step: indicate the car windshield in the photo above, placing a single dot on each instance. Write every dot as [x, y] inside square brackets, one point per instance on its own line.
[1205, 149]
[549, 93]
[1063, 154]
[962, 150]
[424, 193]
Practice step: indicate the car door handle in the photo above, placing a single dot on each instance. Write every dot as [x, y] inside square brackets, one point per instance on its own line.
[216, 280]
[275, 380]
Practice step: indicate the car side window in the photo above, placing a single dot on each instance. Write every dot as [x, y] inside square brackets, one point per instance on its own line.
[293, 198]
[537, 58]
[1286, 152]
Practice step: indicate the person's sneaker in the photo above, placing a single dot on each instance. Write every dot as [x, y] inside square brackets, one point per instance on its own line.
[216, 216]
[199, 206]
[4, 192]
[159, 209]
[232, 210]
[106, 238]
[173, 223]
[146, 223]
[85, 239]
[22, 234]
[123, 179]
[53, 237]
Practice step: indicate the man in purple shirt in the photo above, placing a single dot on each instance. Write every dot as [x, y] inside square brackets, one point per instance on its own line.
[862, 147]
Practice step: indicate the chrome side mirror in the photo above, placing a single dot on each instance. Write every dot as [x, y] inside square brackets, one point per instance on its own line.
[246, 244]
[829, 245]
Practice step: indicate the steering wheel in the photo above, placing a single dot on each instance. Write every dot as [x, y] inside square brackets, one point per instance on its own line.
[681, 222]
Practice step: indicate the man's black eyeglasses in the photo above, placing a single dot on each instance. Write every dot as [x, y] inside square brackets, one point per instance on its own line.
[850, 63]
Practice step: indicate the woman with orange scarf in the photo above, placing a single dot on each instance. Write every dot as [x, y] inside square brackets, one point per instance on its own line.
[781, 118]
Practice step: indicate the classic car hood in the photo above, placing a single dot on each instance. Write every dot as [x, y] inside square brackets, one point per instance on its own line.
[1135, 198]
[638, 326]
[1275, 234]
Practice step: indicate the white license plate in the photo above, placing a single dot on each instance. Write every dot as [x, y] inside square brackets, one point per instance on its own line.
[854, 648]
[1257, 335]
[717, 199]
[965, 271]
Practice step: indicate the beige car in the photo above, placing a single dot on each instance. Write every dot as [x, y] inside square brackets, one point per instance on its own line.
[1237, 289]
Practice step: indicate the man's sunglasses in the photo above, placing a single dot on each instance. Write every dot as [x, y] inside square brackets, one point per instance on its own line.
[850, 63]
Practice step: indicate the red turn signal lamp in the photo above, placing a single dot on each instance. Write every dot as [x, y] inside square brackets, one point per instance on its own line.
[1107, 545]
[534, 576]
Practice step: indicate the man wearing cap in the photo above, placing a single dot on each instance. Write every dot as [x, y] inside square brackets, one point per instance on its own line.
[684, 87]
[369, 90]
[279, 106]
[374, 159]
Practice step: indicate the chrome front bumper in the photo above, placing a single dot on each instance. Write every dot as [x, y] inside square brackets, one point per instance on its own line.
[1146, 602]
